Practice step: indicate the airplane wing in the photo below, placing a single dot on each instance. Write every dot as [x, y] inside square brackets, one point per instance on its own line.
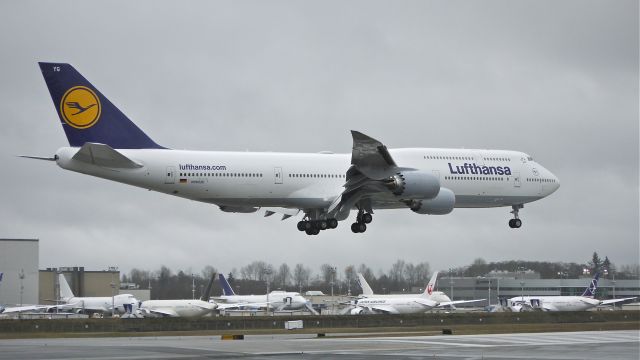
[104, 155]
[370, 163]
[162, 312]
[447, 303]
[241, 305]
[426, 302]
[19, 309]
[386, 309]
[614, 301]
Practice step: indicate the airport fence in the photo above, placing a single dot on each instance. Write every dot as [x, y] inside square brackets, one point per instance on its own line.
[227, 323]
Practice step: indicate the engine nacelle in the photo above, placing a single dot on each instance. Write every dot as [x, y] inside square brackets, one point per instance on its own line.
[357, 311]
[442, 204]
[414, 185]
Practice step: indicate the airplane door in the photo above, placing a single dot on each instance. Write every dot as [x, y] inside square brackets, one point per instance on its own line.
[277, 175]
[516, 179]
[170, 175]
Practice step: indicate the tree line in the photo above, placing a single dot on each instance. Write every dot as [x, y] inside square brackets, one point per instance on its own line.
[257, 276]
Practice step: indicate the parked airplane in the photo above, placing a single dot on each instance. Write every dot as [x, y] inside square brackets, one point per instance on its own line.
[439, 297]
[189, 308]
[561, 303]
[325, 186]
[20, 309]
[120, 304]
[274, 300]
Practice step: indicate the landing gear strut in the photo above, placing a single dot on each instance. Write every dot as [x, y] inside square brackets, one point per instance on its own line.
[515, 223]
[362, 220]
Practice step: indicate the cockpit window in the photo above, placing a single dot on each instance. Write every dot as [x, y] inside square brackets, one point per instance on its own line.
[529, 158]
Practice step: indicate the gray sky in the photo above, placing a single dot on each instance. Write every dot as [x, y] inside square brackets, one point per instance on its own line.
[556, 79]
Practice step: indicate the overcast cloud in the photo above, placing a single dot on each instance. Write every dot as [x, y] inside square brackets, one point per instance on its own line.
[556, 79]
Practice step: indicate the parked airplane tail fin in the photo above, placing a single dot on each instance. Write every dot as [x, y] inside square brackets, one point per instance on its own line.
[431, 285]
[590, 291]
[366, 289]
[207, 291]
[65, 290]
[226, 288]
[87, 115]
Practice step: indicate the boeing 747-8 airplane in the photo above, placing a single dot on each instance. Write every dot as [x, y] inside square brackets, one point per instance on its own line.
[326, 187]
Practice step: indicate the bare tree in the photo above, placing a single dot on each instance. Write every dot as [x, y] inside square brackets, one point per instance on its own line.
[208, 272]
[301, 276]
[283, 275]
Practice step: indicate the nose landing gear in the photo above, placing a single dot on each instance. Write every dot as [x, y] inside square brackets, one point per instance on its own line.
[515, 223]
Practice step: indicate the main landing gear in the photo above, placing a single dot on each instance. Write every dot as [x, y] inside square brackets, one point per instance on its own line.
[362, 220]
[515, 223]
[313, 227]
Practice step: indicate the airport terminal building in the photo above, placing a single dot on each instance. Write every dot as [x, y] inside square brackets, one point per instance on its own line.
[510, 285]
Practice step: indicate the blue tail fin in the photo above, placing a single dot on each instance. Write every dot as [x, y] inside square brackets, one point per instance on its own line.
[87, 115]
[226, 288]
[590, 291]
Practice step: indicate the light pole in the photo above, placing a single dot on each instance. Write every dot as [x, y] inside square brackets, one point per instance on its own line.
[522, 290]
[267, 273]
[451, 283]
[113, 270]
[21, 276]
[333, 274]
[489, 292]
[193, 287]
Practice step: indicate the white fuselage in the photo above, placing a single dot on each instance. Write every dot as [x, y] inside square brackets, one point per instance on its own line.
[437, 296]
[552, 303]
[275, 300]
[102, 304]
[177, 308]
[245, 181]
[394, 305]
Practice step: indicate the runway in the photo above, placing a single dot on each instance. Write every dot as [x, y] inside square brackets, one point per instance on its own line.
[561, 345]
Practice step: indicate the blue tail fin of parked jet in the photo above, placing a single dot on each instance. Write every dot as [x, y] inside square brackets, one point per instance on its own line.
[87, 115]
[590, 291]
[226, 288]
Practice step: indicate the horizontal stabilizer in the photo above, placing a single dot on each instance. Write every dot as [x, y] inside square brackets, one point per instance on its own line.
[105, 156]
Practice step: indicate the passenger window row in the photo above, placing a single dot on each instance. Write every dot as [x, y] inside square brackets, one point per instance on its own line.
[330, 176]
[481, 178]
[252, 175]
[496, 159]
[540, 180]
[438, 157]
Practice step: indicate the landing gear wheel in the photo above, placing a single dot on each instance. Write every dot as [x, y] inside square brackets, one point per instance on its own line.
[322, 224]
[515, 223]
[302, 225]
[367, 218]
[313, 231]
[333, 223]
[362, 227]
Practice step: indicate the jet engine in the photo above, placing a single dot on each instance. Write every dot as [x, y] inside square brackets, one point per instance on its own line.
[414, 185]
[357, 311]
[442, 204]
